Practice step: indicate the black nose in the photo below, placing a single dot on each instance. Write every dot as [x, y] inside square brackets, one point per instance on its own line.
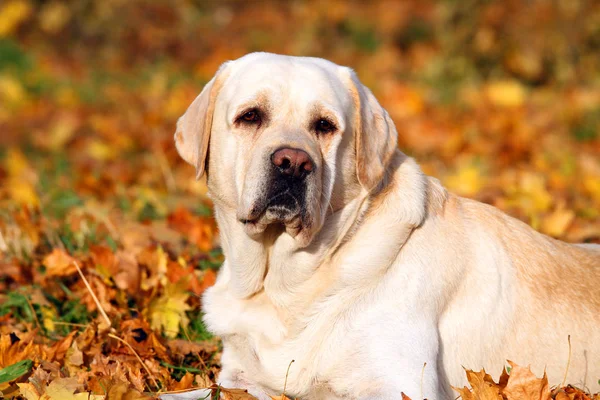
[292, 162]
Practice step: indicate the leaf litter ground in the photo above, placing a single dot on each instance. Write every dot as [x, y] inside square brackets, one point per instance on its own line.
[90, 179]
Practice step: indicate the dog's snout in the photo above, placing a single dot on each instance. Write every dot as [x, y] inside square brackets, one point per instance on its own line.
[292, 162]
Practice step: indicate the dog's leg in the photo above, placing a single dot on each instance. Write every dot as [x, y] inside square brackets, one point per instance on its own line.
[233, 378]
[233, 375]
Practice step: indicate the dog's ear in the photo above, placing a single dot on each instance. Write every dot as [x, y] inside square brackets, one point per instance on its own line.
[376, 138]
[194, 126]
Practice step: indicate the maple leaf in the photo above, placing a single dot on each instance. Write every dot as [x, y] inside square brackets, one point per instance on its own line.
[122, 391]
[280, 397]
[29, 391]
[58, 389]
[167, 312]
[14, 349]
[234, 394]
[483, 387]
[523, 384]
[64, 389]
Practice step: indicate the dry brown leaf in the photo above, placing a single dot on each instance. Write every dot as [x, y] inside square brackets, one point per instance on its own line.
[236, 394]
[483, 386]
[58, 351]
[281, 397]
[464, 393]
[524, 385]
[184, 347]
[186, 382]
[122, 391]
[15, 348]
[59, 263]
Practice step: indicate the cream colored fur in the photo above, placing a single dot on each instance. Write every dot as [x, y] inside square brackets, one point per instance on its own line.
[391, 272]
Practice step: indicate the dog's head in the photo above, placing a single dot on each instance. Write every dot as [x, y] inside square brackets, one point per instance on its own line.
[286, 140]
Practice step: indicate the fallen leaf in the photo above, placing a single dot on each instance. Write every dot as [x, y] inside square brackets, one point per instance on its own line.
[122, 391]
[167, 312]
[12, 14]
[506, 93]
[557, 223]
[523, 384]
[483, 386]
[59, 263]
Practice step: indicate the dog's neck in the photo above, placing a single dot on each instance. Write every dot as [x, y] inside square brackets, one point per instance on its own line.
[276, 265]
[274, 262]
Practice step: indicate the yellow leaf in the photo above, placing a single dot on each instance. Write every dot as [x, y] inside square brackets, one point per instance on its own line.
[28, 391]
[557, 223]
[11, 90]
[122, 391]
[21, 179]
[62, 131]
[505, 93]
[64, 389]
[23, 193]
[534, 187]
[48, 318]
[466, 180]
[162, 265]
[100, 151]
[12, 14]
[167, 312]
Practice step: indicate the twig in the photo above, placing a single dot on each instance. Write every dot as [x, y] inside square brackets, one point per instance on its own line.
[70, 324]
[285, 382]
[568, 362]
[87, 284]
[422, 376]
[3, 245]
[138, 357]
[101, 310]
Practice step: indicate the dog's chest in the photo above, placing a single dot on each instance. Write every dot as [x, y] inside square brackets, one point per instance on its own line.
[261, 342]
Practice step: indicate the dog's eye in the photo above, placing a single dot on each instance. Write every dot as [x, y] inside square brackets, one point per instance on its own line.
[324, 126]
[251, 116]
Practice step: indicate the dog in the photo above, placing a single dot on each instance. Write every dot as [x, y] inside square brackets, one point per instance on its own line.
[343, 257]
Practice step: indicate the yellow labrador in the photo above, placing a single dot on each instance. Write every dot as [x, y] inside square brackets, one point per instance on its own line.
[343, 256]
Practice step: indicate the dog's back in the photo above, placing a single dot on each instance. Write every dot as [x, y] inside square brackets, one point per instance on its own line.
[545, 291]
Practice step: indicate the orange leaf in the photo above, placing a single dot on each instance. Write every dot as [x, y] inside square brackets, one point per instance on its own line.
[483, 386]
[59, 263]
[524, 385]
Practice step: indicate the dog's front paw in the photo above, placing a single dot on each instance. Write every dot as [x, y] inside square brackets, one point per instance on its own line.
[236, 381]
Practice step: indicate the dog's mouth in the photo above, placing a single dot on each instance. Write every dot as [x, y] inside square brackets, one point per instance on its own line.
[284, 208]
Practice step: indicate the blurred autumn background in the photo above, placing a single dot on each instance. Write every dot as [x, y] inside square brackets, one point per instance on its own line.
[499, 99]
